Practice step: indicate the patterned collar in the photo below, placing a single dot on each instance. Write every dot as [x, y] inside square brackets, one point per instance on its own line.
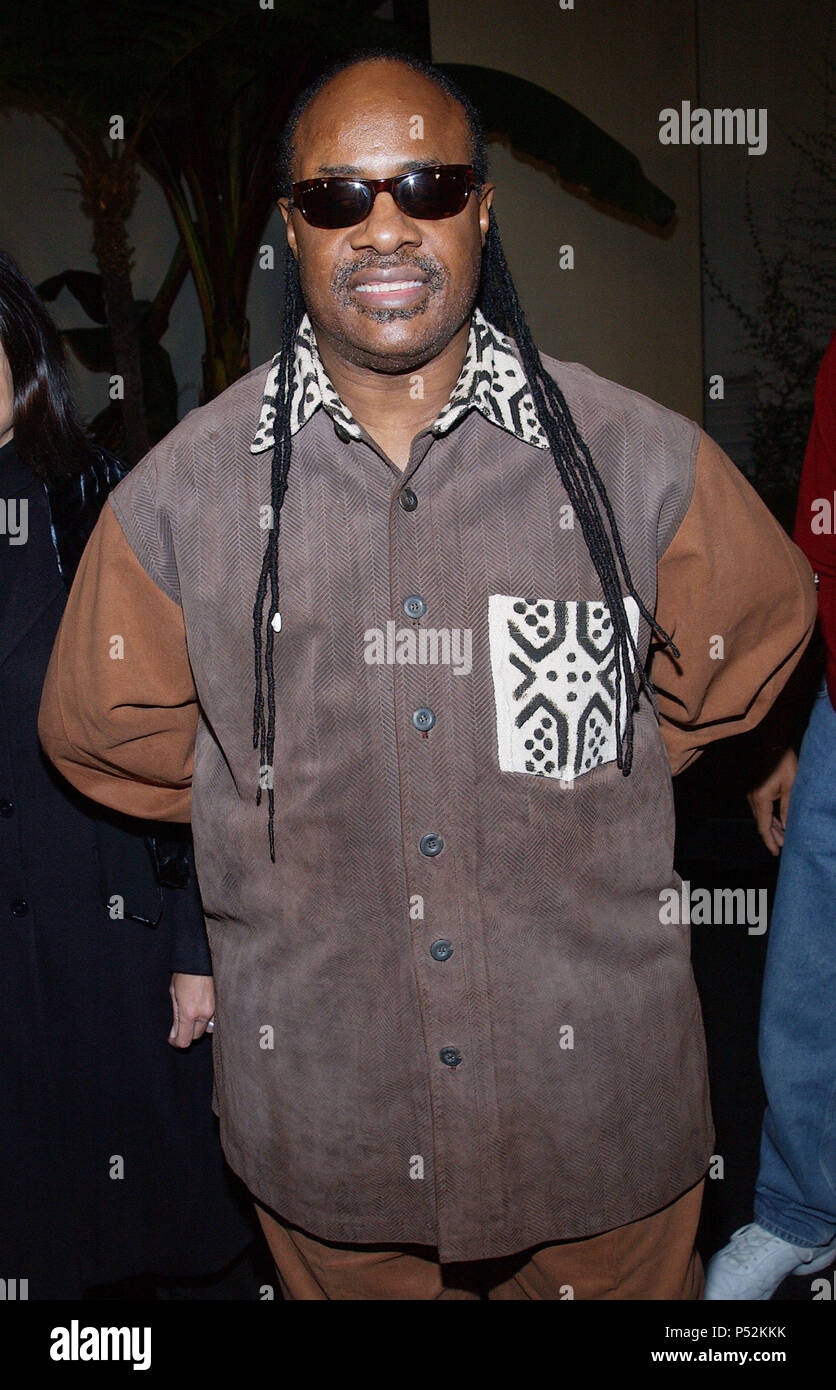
[491, 381]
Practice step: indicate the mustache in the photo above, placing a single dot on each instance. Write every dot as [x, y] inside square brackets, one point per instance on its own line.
[435, 274]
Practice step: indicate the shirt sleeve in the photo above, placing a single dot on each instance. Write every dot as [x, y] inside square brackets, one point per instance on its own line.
[815, 524]
[119, 709]
[738, 598]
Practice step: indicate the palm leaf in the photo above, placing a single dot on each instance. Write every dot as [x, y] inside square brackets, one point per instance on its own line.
[83, 285]
[546, 128]
[204, 87]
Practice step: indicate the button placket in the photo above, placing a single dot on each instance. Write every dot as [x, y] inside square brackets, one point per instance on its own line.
[433, 867]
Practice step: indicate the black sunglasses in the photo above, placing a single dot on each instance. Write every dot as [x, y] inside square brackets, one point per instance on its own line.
[428, 194]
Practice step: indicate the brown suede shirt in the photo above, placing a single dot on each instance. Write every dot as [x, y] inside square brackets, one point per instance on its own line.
[450, 1012]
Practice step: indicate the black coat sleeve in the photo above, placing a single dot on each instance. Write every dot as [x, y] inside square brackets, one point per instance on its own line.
[189, 942]
[151, 878]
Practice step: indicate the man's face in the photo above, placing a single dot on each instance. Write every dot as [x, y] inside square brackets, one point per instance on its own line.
[364, 123]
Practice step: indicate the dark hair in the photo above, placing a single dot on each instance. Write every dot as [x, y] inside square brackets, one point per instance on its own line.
[498, 301]
[49, 437]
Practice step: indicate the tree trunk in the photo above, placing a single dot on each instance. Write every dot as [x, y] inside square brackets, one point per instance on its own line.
[109, 190]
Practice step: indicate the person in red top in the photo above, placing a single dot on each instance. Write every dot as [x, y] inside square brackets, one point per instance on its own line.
[794, 1231]
[815, 518]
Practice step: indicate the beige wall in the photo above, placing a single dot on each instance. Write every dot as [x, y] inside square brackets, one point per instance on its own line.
[631, 307]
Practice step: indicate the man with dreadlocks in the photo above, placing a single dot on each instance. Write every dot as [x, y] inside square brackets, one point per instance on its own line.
[459, 1052]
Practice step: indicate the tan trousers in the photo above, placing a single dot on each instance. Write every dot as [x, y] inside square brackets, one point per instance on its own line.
[649, 1259]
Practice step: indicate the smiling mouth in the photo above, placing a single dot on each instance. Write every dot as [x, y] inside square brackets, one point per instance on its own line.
[382, 288]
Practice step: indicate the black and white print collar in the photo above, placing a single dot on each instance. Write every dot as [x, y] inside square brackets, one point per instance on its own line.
[491, 381]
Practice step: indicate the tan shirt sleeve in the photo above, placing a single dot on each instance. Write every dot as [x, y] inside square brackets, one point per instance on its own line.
[739, 600]
[119, 709]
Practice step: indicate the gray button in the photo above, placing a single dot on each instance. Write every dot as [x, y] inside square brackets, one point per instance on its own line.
[6, 807]
[431, 845]
[408, 500]
[450, 1056]
[423, 718]
[441, 950]
[414, 606]
[19, 907]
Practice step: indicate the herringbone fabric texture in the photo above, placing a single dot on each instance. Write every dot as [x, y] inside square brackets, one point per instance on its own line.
[548, 892]
[542, 1077]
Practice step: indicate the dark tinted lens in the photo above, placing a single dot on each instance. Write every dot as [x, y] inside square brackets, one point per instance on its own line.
[334, 203]
[433, 193]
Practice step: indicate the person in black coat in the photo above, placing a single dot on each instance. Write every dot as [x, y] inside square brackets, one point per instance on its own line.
[110, 1162]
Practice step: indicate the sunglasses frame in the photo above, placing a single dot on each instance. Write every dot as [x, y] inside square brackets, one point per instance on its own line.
[390, 185]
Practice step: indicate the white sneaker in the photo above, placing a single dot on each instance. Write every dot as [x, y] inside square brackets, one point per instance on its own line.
[755, 1262]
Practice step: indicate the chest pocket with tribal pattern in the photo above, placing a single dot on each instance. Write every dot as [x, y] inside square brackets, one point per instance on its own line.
[553, 666]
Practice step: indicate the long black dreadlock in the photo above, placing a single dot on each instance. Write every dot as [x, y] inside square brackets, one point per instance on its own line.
[498, 301]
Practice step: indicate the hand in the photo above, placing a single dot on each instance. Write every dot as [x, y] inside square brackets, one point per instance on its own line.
[776, 787]
[193, 1005]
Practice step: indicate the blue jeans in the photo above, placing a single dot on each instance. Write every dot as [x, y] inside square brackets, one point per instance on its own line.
[795, 1195]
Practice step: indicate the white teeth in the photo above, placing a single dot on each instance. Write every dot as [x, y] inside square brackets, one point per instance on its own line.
[387, 286]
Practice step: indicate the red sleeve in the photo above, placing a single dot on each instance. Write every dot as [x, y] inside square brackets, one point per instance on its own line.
[815, 518]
